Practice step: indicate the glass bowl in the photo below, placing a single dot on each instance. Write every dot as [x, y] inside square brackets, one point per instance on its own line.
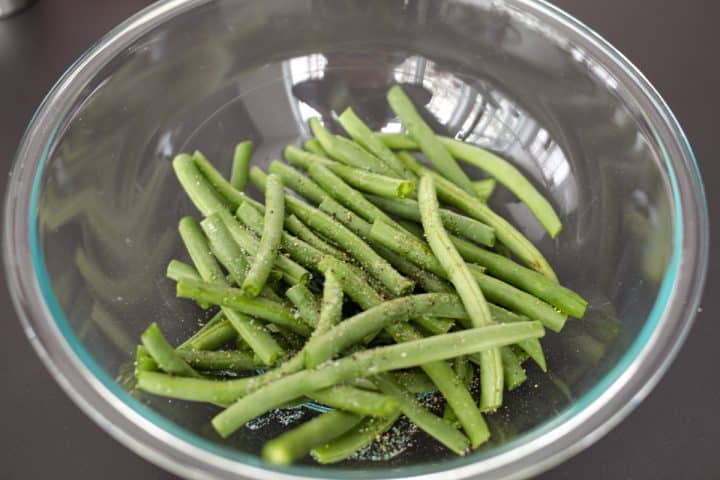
[93, 205]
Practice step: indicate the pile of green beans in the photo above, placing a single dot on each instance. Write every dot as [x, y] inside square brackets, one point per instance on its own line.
[364, 279]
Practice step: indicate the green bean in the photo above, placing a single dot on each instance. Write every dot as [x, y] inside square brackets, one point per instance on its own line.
[256, 336]
[298, 250]
[464, 372]
[241, 165]
[199, 250]
[364, 180]
[215, 333]
[347, 152]
[495, 290]
[301, 231]
[298, 442]
[358, 289]
[502, 170]
[235, 299]
[305, 302]
[524, 278]
[356, 400]
[456, 223]
[270, 239]
[224, 247]
[332, 304]
[352, 330]
[360, 132]
[164, 354]
[484, 188]
[335, 231]
[221, 392]
[358, 437]
[512, 369]
[177, 270]
[227, 360]
[532, 347]
[426, 421]
[201, 192]
[292, 272]
[231, 196]
[506, 233]
[420, 132]
[144, 362]
[369, 362]
[296, 181]
[314, 146]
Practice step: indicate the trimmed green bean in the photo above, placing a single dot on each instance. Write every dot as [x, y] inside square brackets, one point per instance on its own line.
[332, 304]
[270, 239]
[144, 362]
[301, 231]
[454, 222]
[235, 299]
[214, 334]
[426, 421]
[353, 285]
[416, 382]
[368, 362]
[226, 360]
[298, 442]
[199, 250]
[419, 131]
[360, 132]
[177, 270]
[360, 436]
[224, 247]
[220, 392]
[256, 336]
[199, 190]
[504, 231]
[296, 181]
[165, 356]
[353, 330]
[227, 192]
[364, 180]
[241, 165]
[356, 400]
[464, 372]
[305, 302]
[434, 325]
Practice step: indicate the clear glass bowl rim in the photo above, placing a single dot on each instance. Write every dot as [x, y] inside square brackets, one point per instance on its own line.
[182, 452]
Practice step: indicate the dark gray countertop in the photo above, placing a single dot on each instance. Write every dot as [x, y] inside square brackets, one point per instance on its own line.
[670, 436]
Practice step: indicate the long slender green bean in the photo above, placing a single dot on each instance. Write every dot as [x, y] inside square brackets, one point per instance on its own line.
[363, 180]
[332, 304]
[453, 222]
[298, 442]
[354, 285]
[226, 360]
[347, 152]
[241, 164]
[464, 371]
[353, 440]
[144, 362]
[369, 362]
[366, 256]
[426, 421]
[352, 330]
[165, 356]
[199, 250]
[356, 400]
[177, 270]
[224, 247]
[214, 334]
[199, 190]
[270, 239]
[227, 192]
[296, 181]
[360, 132]
[256, 336]
[419, 131]
[502, 170]
[504, 231]
[415, 382]
[221, 392]
[305, 302]
[235, 299]
[434, 325]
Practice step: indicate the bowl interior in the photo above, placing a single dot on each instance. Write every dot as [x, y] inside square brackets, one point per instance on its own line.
[487, 72]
